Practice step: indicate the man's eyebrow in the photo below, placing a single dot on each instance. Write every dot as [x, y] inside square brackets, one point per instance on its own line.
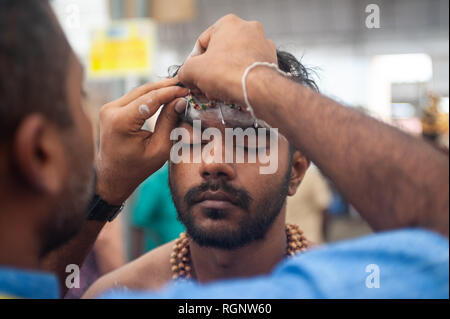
[184, 119]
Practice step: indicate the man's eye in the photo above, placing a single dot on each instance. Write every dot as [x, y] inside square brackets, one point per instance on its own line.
[257, 148]
[252, 146]
[197, 144]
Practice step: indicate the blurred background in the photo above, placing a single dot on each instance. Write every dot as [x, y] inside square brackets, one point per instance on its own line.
[396, 70]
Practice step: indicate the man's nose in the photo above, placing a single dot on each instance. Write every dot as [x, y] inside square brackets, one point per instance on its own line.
[217, 170]
[214, 165]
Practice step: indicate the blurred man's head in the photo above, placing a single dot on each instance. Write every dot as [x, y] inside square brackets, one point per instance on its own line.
[46, 145]
[229, 205]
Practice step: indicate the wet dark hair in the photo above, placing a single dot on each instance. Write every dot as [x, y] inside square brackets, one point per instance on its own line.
[299, 73]
[34, 55]
[287, 63]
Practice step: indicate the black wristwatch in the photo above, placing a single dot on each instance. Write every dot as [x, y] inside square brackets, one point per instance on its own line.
[102, 211]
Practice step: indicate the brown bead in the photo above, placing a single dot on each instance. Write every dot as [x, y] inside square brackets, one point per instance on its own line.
[187, 268]
[173, 261]
[181, 273]
[180, 255]
[175, 276]
[184, 259]
[174, 268]
[181, 265]
[184, 251]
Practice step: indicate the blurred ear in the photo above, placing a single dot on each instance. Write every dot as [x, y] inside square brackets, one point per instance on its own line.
[38, 154]
[299, 166]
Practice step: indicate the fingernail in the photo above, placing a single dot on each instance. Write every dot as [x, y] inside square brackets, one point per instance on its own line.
[144, 110]
[180, 106]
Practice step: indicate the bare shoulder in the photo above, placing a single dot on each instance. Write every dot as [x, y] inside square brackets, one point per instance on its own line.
[151, 271]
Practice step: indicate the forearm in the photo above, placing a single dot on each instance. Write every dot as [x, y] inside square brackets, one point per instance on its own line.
[138, 242]
[393, 179]
[74, 252]
[109, 247]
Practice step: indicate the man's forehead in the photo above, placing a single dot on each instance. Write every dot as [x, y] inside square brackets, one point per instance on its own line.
[217, 123]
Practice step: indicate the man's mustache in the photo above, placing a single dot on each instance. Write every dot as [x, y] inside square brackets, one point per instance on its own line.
[240, 197]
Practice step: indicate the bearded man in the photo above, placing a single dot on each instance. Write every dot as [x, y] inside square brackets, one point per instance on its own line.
[235, 217]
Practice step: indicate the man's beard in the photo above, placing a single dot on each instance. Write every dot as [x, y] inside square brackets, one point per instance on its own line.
[69, 215]
[253, 226]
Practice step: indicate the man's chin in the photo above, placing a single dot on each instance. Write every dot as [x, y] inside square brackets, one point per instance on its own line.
[216, 233]
[216, 214]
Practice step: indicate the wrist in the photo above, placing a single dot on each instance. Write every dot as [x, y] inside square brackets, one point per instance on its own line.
[260, 87]
[105, 186]
[102, 211]
[108, 194]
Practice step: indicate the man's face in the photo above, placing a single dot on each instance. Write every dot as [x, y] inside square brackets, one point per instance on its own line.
[228, 205]
[68, 214]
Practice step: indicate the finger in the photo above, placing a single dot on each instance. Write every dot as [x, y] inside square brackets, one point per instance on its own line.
[202, 43]
[272, 44]
[166, 122]
[137, 112]
[204, 38]
[144, 89]
[180, 105]
[189, 71]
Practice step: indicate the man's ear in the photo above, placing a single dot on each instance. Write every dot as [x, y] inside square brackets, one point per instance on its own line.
[299, 166]
[38, 155]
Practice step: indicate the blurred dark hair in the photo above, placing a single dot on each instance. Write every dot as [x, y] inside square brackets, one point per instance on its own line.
[34, 55]
[287, 63]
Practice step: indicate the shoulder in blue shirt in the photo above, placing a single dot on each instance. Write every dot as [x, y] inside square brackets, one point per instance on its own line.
[17, 283]
[410, 263]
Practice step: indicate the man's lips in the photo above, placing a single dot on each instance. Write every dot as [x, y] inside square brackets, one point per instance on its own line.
[216, 200]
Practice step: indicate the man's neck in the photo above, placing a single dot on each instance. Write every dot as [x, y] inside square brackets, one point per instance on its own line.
[19, 247]
[256, 258]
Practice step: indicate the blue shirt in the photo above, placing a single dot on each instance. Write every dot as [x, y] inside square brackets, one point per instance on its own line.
[17, 283]
[409, 263]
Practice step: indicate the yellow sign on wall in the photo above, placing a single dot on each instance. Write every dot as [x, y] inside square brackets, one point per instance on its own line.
[125, 48]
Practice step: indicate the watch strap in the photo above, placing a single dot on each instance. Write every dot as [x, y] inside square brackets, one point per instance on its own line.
[100, 210]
